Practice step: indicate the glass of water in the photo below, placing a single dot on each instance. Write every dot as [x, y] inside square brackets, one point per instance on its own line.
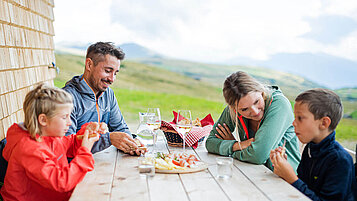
[146, 165]
[224, 167]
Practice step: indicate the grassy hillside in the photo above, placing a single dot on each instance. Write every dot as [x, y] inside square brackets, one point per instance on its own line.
[139, 86]
[216, 74]
[349, 94]
[141, 77]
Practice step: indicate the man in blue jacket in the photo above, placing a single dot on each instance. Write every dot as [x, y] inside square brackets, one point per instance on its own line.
[93, 100]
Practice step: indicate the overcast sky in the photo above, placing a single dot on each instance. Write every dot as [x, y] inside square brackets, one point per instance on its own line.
[214, 30]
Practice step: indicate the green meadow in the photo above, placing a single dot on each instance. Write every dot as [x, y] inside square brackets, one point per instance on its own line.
[140, 86]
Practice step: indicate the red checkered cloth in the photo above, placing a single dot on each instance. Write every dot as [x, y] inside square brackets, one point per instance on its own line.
[195, 134]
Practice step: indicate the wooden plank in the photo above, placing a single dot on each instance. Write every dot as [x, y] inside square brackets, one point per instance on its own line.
[128, 184]
[274, 187]
[165, 186]
[200, 185]
[97, 184]
[238, 187]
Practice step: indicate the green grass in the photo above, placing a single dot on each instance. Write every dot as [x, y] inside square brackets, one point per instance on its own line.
[132, 102]
[140, 86]
[347, 130]
[354, 115]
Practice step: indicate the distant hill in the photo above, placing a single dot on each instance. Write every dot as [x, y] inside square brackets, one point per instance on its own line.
[216, 74]
[348, 94]
[143, 77]
[320, 67]
[330, 71]
[131, 50]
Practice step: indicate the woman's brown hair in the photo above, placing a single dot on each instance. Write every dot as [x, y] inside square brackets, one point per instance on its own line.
[238, 85]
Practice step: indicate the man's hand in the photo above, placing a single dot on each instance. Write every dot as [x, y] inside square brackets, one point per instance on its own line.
[125, 143]
[281, 166]
[224, 132]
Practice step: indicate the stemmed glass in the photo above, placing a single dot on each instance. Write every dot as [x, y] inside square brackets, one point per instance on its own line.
[153, 122]
[184, 125]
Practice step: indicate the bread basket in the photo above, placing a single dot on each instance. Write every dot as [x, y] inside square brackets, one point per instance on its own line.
[174, 139]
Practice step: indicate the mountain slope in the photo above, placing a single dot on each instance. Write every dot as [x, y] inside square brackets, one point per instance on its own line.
[331, 71]
[137, 76]
[216, 74]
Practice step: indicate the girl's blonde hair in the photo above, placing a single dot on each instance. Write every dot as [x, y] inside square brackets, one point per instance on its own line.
[43, 100]
[238, 85]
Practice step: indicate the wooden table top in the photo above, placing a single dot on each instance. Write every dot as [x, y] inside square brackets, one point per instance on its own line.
[116, 177]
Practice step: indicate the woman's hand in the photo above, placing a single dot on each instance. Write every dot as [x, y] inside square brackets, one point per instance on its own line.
[281, 166]
[224, 132]
[238, 146]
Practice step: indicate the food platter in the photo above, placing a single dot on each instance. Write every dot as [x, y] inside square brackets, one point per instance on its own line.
[182, 171]
[178, 163]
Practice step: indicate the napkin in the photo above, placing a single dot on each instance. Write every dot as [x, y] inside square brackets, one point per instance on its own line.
[195, 134]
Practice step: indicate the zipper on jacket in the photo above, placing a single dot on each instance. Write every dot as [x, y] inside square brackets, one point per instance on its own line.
[311, 179]
[96, 100]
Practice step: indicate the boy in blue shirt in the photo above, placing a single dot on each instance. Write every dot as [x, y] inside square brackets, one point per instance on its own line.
[326, 170]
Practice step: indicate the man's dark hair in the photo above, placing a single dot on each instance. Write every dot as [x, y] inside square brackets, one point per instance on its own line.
[96, 52]
[322, 103]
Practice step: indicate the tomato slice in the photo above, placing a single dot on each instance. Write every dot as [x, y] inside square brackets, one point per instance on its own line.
[176, 162]
[182, 163]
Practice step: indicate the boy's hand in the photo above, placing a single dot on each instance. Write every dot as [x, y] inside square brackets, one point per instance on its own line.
[279, 150]
[281, 166]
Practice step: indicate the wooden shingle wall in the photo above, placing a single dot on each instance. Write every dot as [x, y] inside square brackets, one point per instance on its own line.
[26, 51]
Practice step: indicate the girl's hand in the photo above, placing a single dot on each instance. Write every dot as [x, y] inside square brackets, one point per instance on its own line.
[282, 168]
[238, 146]
[103, 128]
[91, 129]
[224, 132]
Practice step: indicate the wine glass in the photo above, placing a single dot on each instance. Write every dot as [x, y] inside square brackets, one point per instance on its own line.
[153, 122]
[184, 124]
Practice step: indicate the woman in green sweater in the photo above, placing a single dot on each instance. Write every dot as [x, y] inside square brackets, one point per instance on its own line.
[262, 116]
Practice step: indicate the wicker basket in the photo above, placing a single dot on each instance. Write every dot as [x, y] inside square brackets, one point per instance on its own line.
[175, 140]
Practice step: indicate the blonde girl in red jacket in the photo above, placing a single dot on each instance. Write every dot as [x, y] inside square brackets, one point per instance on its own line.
[37, 149]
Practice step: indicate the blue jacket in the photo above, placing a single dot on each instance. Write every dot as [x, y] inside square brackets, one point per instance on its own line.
[326, 171]
[88, 109]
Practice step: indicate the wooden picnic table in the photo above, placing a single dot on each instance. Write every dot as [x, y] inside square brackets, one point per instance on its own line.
[116, 177]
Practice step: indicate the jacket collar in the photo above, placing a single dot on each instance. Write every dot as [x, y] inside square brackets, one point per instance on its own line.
[81, 85]
[317, 150]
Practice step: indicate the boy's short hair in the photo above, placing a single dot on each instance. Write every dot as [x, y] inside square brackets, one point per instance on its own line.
[322, 103]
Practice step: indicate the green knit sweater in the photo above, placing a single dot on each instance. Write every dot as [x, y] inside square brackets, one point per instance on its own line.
[275, 127]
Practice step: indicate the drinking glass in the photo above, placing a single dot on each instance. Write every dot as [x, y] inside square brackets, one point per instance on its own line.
[224, 167]
[184, 124]
[153, 122]
[146, 165]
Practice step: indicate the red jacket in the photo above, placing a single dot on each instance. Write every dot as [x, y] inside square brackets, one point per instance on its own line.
[40, 170]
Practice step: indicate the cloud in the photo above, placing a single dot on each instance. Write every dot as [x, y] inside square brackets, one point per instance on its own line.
[330, 29]
[154, 18]
[213, 30]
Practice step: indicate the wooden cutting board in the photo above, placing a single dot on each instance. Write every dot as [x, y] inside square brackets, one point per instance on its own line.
[187, 170]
